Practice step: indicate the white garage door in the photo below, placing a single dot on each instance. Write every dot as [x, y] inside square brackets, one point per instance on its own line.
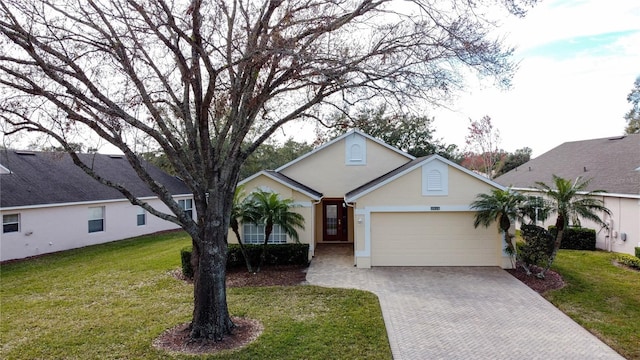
[432, 239]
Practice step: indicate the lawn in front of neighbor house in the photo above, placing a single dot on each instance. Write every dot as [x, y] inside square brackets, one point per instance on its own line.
[111, 301]
[600, 296]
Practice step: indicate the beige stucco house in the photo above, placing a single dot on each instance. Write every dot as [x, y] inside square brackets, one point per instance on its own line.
[612, 164]
[396, 210]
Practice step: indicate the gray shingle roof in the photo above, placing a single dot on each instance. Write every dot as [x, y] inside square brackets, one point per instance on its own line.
[39, 178]
[294, 184]
[613, 164]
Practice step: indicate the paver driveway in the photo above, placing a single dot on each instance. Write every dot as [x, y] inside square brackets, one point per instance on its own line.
[460, 313]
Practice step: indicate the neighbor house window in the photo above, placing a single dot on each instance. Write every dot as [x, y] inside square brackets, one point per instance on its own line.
[10, 223]
[187, 206]
[254, 234]
[141, 217]
[96, 219]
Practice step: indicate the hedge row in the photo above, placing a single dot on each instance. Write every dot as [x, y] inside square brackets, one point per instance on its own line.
[638, 252]
[576, 238]
[277, 254]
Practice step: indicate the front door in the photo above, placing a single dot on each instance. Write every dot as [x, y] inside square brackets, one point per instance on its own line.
[334, 218]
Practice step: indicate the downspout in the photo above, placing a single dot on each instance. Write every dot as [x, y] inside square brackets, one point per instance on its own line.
[344, 199]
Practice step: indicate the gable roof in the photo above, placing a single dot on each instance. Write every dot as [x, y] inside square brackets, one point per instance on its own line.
[407, 168]
[286, 181]
[46, 178]
[612, 163]
[339, 138]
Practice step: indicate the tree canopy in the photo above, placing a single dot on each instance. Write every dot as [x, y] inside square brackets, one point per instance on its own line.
[207, 82]
[413, 134]
[633, 116]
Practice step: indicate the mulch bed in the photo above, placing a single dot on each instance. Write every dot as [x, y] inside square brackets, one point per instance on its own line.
[551, 281]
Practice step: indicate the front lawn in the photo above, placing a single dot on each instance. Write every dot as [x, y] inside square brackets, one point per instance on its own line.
[602, 297]
[111, 301]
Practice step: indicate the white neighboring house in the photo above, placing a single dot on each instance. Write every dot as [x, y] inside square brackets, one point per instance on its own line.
[48, 204]
[612, 164]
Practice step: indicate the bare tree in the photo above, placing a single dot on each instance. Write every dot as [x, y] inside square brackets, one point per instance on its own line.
[483, 141]
[206, 82]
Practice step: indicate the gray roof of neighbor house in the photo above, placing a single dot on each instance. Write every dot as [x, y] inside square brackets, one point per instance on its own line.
[43, 178]
[612, 163]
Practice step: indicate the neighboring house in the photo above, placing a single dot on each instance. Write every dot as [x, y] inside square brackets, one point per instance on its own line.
[612, 164]
[48, 204]
[395, 209]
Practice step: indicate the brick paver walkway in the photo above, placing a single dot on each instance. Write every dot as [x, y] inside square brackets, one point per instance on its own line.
[460, 313]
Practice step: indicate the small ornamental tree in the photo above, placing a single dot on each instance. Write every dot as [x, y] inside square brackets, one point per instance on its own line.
[571, 201]
[267, 209]
[500, 206]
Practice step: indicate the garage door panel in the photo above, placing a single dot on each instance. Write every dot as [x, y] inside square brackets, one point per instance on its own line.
[431, 239]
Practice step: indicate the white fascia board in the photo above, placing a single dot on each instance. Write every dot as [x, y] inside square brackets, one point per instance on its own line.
[434, 157]
[603, 194]
[327, 144]
[92, 202]
[267, 174]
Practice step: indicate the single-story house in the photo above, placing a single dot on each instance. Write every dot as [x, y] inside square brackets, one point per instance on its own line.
[48, 204]
[395, 209]
[612, 164]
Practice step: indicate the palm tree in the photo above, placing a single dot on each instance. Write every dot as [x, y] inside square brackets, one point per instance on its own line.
[570, 200]
[266, 208]
[237, 216]
[500, 206]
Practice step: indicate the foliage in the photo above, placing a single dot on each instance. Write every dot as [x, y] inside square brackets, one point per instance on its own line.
[571, 201]
[483, 140]
[510, 161]
[207, 82]
[110, 301]
[270, 156]
[266, 208]
[637, 252]
[628, 260]
[536, 247]
[278, 254]
[576, 238]
[409, 133]
[601, 297]
[633, 116]
[185, 260]
[500, 206]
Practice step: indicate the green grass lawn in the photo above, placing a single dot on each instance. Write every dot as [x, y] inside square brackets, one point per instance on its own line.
[603, 298]
[111, 301]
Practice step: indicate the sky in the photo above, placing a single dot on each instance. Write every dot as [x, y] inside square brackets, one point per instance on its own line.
[577, 64]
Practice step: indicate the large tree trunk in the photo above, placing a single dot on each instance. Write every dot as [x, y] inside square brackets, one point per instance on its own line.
[211, 318]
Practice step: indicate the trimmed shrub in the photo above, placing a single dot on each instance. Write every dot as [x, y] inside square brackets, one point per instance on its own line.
[185, 257]
[537, 245]
[277, 254]
[576, 238]
[628, 260]
[638, 252]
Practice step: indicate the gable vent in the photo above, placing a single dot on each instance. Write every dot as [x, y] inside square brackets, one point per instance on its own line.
[25, 152]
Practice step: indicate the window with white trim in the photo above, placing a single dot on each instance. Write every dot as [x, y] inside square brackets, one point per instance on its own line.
[96, 219]
[10, 223]
[141, 217]
[187, 206]
[254, 234]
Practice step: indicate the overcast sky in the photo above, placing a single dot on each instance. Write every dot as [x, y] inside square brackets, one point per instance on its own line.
[578, 61]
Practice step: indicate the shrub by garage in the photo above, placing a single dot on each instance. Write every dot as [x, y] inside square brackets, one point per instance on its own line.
[576, 238]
